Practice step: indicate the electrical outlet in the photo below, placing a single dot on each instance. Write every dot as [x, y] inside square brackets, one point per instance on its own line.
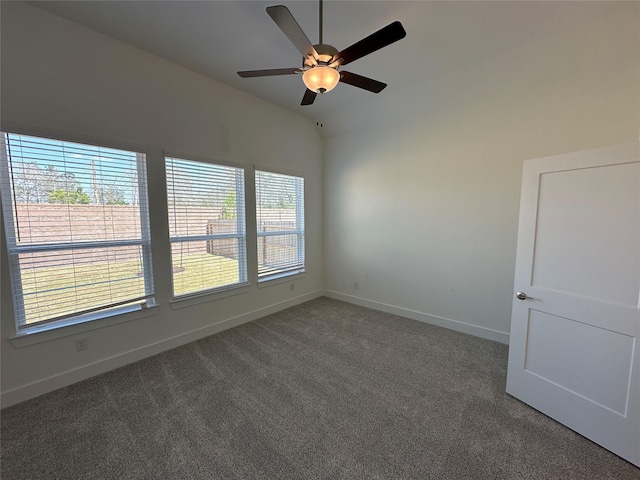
[292, 287]
[82, 344]
[356, 285]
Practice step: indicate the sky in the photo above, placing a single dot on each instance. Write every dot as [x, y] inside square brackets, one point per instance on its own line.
[89, 165]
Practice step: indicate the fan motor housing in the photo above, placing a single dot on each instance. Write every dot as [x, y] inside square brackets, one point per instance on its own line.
[325, 54]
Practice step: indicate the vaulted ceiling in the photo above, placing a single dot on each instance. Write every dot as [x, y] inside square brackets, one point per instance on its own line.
[453, 51]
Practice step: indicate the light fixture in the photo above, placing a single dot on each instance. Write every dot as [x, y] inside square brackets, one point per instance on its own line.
[321, 79]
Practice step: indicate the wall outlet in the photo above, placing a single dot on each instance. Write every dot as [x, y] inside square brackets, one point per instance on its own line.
[292, 287]
[356, 285]
[82, 344]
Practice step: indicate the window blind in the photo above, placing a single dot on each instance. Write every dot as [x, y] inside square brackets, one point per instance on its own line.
[76, 218]
[280, 224]
[206, 226]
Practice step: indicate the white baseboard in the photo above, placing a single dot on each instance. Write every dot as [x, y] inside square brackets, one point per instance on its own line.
[456, 325]
[49, 384]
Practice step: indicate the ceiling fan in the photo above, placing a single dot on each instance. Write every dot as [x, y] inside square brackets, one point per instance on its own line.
[320, 63]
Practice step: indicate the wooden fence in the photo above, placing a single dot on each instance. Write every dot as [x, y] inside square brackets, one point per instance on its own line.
[271, 249]
[277, 249]
[52, 223]
[223, 247]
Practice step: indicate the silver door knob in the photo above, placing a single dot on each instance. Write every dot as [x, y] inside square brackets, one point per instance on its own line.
[521, 296]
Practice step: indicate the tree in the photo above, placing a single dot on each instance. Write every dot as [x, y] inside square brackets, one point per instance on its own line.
[286, 200]
[276, 191]
[34, 184]
[73, 197]
[27, 183]
[229, 210]
[109, 195]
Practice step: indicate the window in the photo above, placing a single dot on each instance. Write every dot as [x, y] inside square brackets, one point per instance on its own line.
[206, 226]
[77, 225]
[280, 224]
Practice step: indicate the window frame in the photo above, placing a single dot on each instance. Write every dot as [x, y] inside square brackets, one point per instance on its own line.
[301, 244]
[242, 285]
[84, 319]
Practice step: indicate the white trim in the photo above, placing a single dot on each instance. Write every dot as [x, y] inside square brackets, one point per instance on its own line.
[216, 158]
[88, 315]
[208, 295]
[458, 326]
[64, 136]
[49, 384]
[48, 332]
[204, 238]
[84, 245]
[279, 171]
[277, 279]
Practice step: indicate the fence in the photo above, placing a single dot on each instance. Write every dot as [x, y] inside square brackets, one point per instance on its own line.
[223, 247]
[277, 249]
[55, 223]
[52, 223]
[271, 249]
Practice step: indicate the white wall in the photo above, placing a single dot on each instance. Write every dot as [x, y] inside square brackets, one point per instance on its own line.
[422, 182]
[60, 78]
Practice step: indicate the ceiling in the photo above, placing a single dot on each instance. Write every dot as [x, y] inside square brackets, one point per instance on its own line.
[219, 38]
[454, 51]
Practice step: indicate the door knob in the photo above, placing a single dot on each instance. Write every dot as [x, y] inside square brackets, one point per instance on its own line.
[522, 296]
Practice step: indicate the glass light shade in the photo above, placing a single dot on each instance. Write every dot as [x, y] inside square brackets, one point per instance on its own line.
[321, 79]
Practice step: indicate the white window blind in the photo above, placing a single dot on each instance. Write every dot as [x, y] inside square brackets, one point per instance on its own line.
[77, 224]
[206, 225]
[280, 224]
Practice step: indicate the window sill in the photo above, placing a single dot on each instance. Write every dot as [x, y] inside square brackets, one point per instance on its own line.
[207, 296]
[50, 332]
[281, 278]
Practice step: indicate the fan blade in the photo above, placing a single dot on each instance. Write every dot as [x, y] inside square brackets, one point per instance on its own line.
[283, 18]
[362, 82]
[269, 73]
[383, 37]
[309, 97]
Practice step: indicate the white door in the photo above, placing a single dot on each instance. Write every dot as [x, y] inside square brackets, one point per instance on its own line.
[573, 350]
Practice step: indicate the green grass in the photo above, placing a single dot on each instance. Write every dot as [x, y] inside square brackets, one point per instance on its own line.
[50, 292]
[203, 271]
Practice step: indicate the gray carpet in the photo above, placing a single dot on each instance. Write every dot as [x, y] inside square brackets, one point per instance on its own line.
[324, 390]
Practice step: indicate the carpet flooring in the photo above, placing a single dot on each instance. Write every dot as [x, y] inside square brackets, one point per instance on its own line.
[323, 390]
